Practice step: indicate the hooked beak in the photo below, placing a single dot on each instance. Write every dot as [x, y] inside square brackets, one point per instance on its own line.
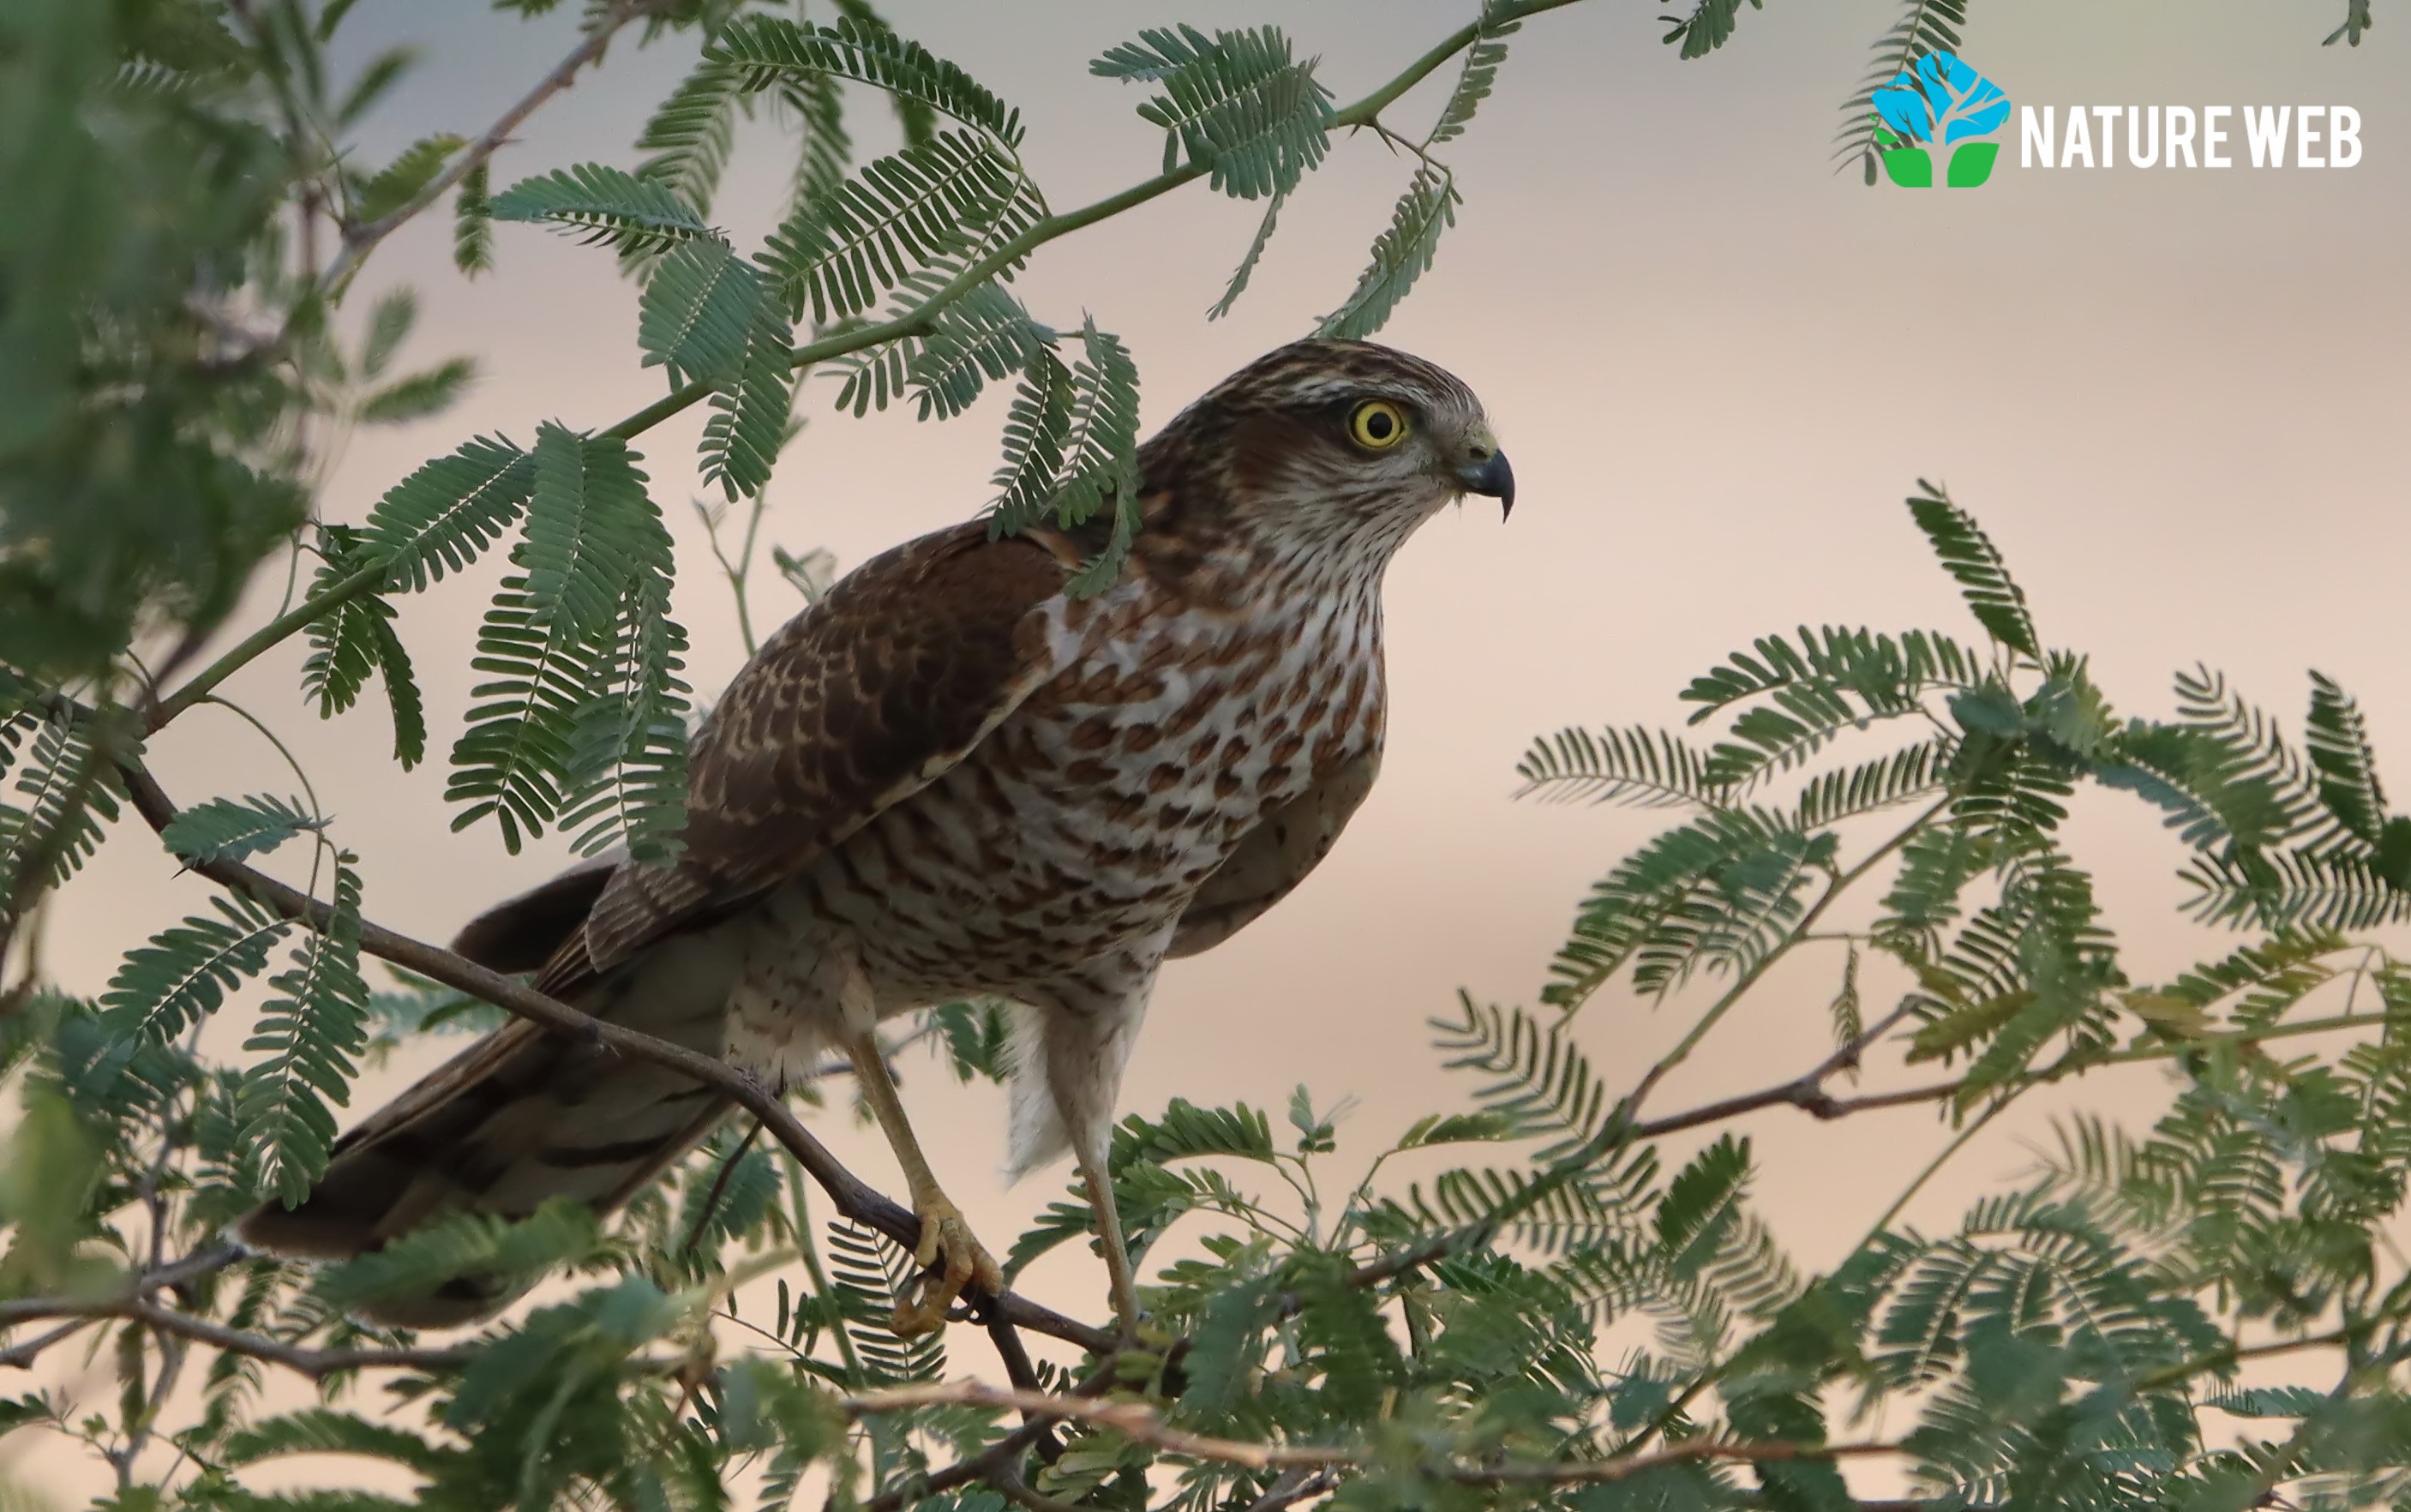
[1486, 473]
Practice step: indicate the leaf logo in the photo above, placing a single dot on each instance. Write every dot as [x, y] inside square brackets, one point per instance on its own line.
[1939, 103]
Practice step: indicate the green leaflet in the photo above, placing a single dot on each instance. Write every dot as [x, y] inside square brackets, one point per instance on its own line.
[1709, 26]
[310, 1036]
[870, 1275]
[692, 132]
[399, 183]
[1477, 76]
[1640, 767]
[1925, 26]
[442, 516]
[1717, 892]
[697, 313]
[2337, 737]
[603, 206]
[465, 1244]
[1036, 430]
[223, 830]
[949, 201]
[1968, 554]
[627, 748]
[985, 337]
[63, 797]
[582, 722]
[1402, 254]
[769, 51]
[473, 223]
[590, 529]
[1247, 268]
[1237, 104]
[417, 395]
[1101, 453]
[357, 639]
[163, 989]
[752, 406]
[325, 1431]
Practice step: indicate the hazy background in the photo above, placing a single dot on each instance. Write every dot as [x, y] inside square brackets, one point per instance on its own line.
[2176, 399]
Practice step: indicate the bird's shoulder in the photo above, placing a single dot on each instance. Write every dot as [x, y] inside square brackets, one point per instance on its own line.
[871, 693]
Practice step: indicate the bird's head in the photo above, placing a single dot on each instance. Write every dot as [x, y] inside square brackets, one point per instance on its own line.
[1323, 438]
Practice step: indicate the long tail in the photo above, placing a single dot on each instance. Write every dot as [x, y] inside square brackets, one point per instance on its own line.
[520, 1117]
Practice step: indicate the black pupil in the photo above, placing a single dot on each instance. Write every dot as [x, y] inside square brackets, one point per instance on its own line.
[1378, 424]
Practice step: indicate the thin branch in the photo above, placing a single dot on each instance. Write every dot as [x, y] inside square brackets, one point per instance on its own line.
[1002, 1458]
[1805, 1092]
[22, 1356]
[854, 1198]
[719, 1190]
[1750, 978]
[314, 1363]
[1295, 1486]
[359, 240]
[1142, 1422]
[917, 321]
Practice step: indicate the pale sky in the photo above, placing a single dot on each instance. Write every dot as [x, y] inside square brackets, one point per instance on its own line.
[2175, 399]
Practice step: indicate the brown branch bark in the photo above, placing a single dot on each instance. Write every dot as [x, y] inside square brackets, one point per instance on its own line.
[1142, 1422]
[314, 1363]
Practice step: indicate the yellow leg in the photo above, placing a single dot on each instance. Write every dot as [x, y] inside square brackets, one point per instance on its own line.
[1109, 1233]
[944, 1232]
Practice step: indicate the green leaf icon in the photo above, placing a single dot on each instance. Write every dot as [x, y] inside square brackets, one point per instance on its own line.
[1971, 164]
[1911, 169]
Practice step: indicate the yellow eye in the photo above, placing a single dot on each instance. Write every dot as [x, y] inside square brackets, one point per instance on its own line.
[1378, 425]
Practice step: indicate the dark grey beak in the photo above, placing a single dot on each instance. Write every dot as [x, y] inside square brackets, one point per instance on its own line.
[1492, 478]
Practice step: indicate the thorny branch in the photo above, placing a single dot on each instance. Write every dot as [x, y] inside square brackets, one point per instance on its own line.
[359, 240]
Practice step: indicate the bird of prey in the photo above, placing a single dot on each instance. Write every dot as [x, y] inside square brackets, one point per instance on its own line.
[947, 778]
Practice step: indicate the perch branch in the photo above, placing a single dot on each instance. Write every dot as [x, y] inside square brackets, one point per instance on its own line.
[854, 1198]
[1142, 1422]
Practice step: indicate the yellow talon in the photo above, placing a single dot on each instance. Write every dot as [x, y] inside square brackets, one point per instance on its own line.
[947, 1240]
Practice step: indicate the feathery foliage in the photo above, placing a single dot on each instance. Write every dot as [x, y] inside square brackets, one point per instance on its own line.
[1555, 1291]
[946, 202]
[1925, 26]
[1402, 254]
[309, 1035]
[603, 206]
[693, 133]
[1236, 104]
[1709, 26]
[583, 722]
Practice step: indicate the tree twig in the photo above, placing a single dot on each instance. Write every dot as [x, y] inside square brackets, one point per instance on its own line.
[1142, 1422]
[359, 240]
[314, 1363]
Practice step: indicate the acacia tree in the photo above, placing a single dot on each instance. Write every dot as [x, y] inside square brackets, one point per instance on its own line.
[185, 226]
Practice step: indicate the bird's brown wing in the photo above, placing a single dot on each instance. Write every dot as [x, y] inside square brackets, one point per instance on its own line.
[863, 699]
[1273, 858]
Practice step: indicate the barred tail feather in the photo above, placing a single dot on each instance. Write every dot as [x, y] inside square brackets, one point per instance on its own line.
[521, 1117]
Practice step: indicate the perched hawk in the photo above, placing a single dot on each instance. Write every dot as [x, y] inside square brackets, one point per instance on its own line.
[949, 778]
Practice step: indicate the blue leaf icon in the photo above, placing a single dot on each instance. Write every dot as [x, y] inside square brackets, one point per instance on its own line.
[1965, 103]
[1903, 109]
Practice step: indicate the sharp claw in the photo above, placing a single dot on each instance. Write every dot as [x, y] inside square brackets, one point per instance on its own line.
[944, 1236]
